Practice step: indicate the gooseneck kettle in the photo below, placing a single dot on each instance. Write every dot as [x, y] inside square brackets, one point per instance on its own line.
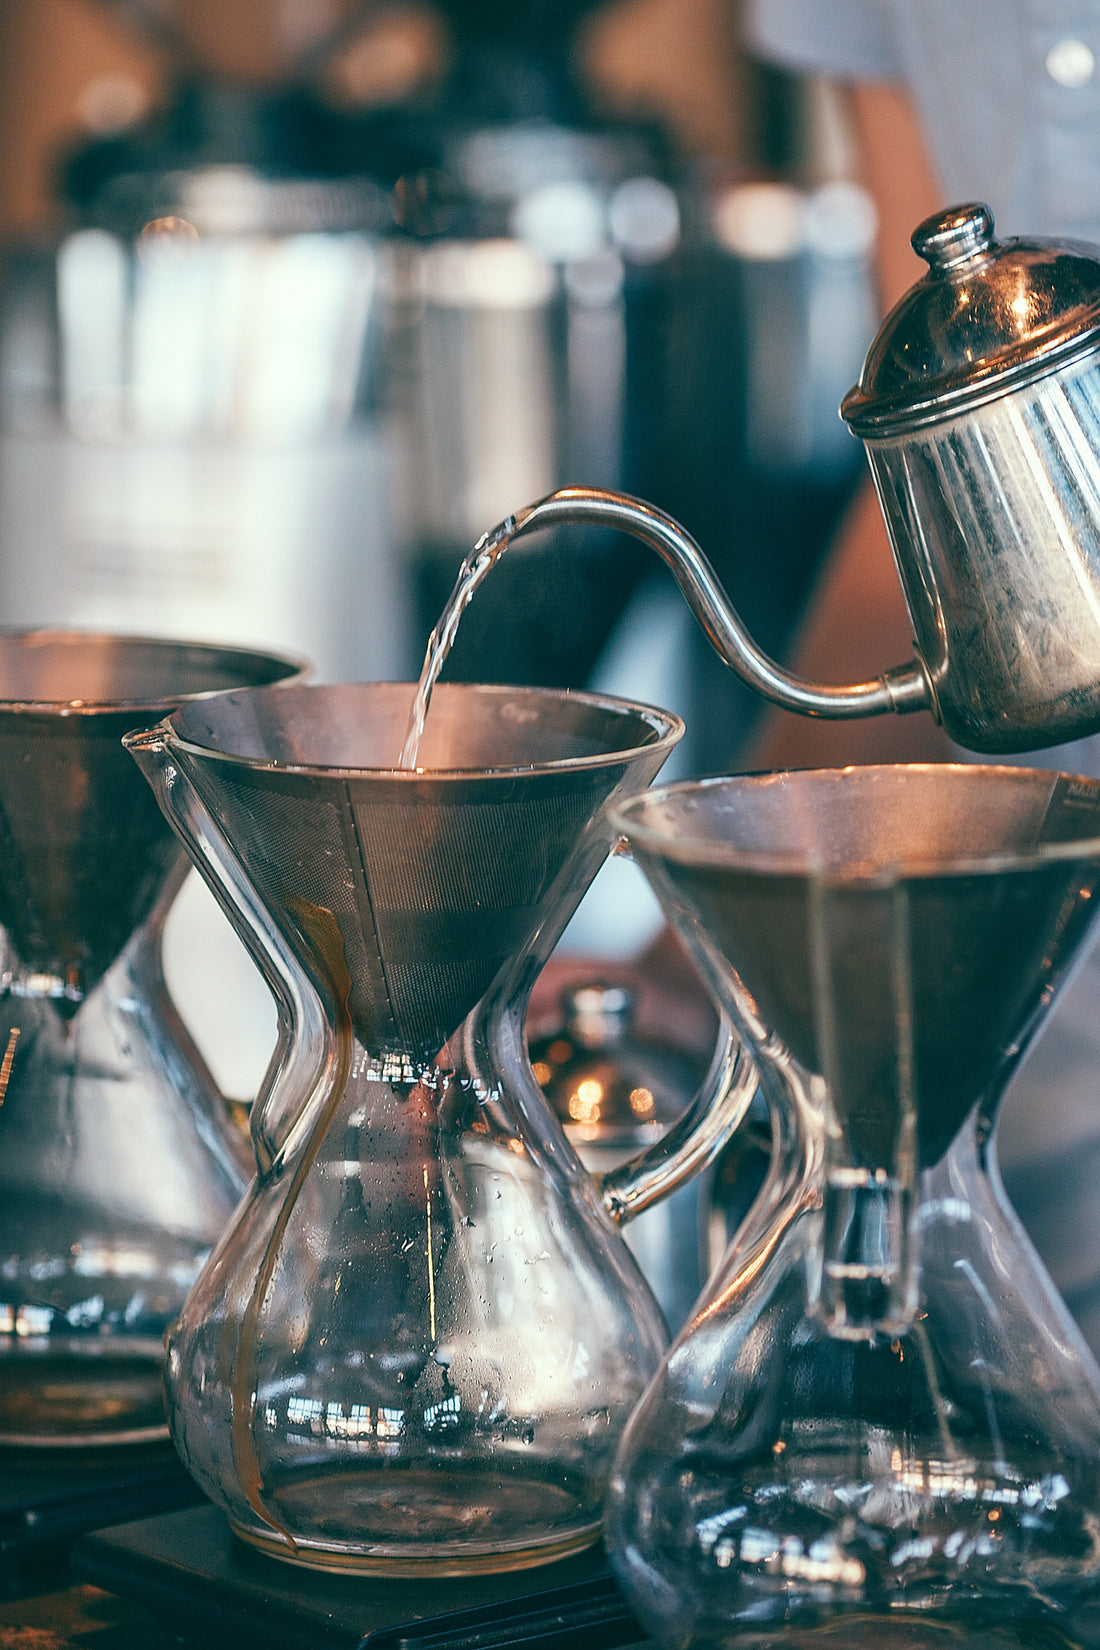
[979, 408]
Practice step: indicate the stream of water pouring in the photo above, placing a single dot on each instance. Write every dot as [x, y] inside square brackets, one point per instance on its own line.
[488, 549]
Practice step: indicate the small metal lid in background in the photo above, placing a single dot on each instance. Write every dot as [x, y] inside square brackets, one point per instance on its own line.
[610, 1087]
[989, 316]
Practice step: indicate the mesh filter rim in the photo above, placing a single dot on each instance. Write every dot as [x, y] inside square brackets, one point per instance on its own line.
[293, 666]
[705, 853]
[666, 725]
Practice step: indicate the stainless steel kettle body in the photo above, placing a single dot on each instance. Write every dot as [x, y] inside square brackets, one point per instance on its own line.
[979, 407]
[994, 518]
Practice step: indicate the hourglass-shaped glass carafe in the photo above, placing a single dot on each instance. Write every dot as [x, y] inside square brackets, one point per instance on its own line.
[118, 1167]
[417, 1344]
[881, 1425]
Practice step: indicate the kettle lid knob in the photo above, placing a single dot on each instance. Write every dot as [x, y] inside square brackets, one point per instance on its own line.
[949, 238]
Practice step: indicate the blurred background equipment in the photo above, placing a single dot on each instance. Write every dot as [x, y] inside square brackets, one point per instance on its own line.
[314, 292]
[189, 440]
[301, 295]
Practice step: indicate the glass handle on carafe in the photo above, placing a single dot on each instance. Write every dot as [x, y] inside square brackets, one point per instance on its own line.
[901, 689]
[304, 1038]
[694, 1140]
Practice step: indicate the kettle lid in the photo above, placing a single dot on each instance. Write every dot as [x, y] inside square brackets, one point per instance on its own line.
[987, 317]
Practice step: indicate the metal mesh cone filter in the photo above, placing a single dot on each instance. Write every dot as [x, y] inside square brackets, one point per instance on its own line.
[403, 893]
[84, 850]
[937, 904]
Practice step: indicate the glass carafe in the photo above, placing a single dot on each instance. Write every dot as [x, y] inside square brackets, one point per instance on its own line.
[419, 1339]
[881, 1425]
[118, 1169]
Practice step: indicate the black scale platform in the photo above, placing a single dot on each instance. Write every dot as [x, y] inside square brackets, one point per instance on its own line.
[47, 1500]
[196, 1578]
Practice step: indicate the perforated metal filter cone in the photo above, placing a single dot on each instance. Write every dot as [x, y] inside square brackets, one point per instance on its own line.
[937, 905]
[84, 851]
[404, 893]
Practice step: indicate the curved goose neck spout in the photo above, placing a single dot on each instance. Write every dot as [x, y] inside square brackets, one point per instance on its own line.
[901, 689]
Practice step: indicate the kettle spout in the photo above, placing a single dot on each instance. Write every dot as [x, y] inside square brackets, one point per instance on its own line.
[901, 689]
